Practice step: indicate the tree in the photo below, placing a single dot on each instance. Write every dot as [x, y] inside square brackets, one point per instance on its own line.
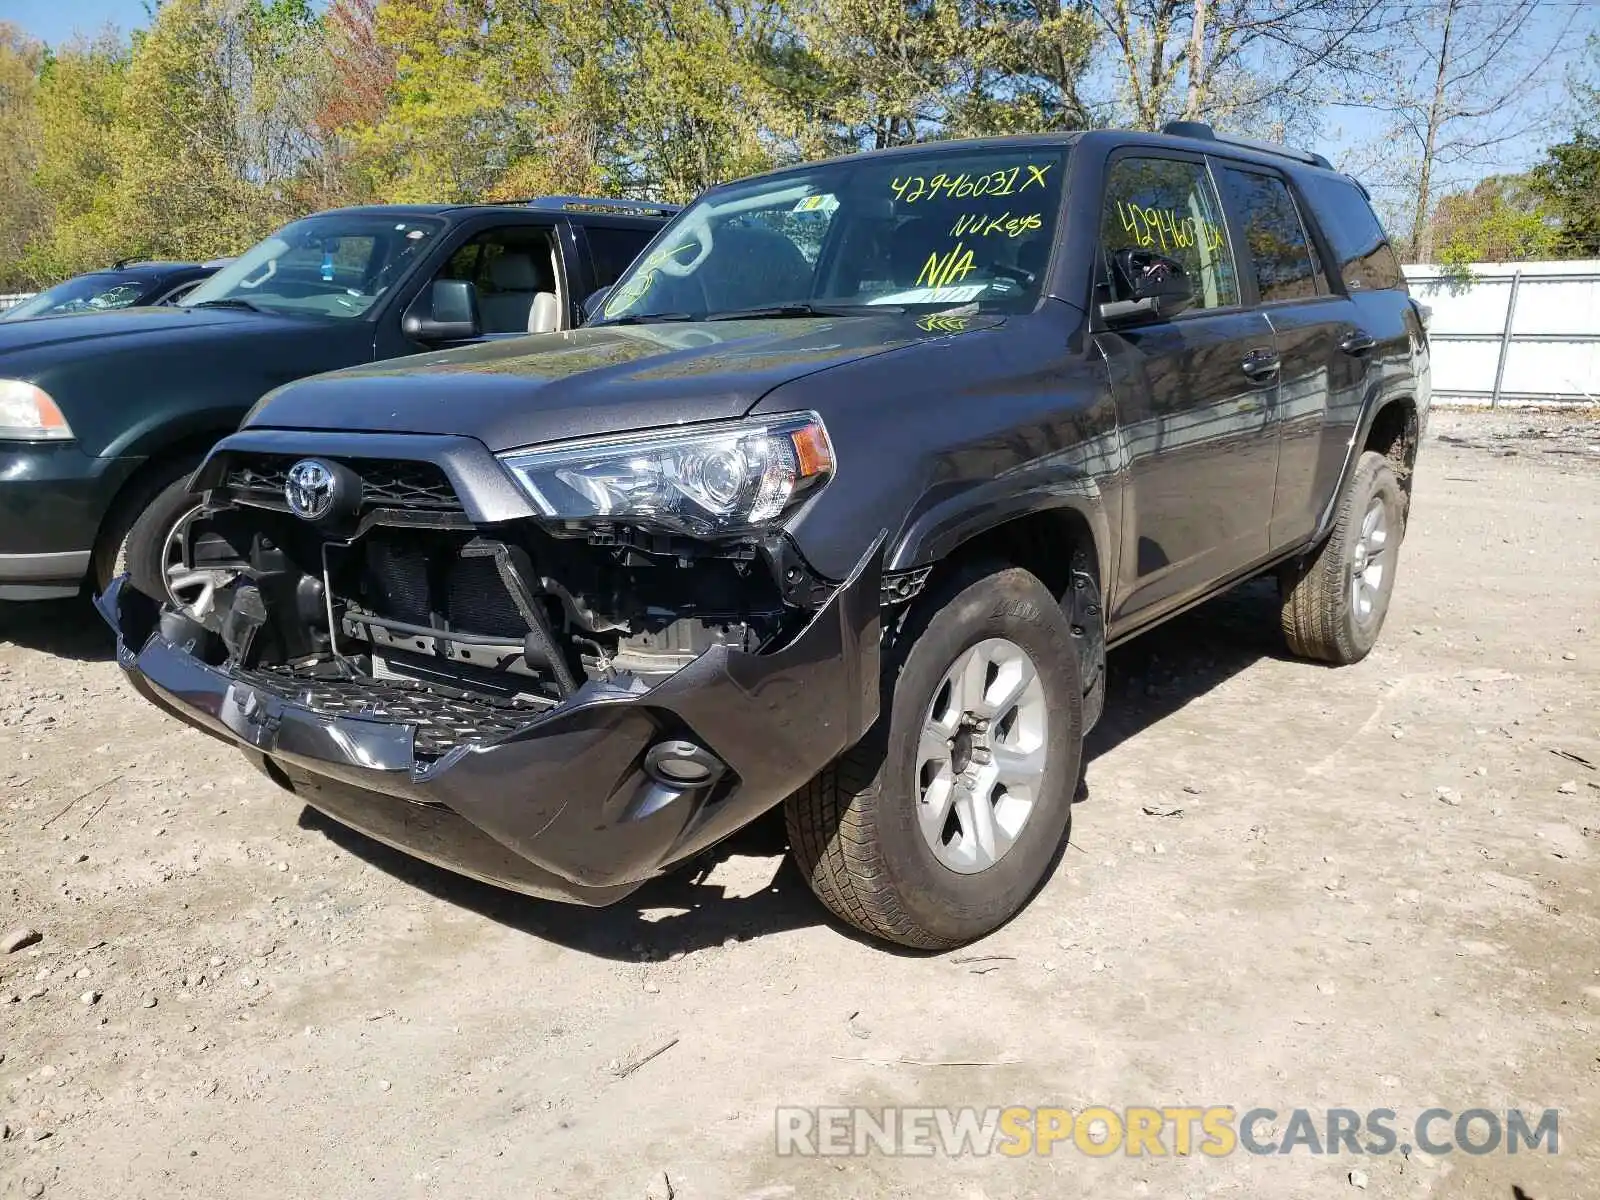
[79, 169]
[20, 61]
[1567, 180]
[1568, 183]
[186, 187]
[1460, 71]
[693, 105]
[861, 74]
[1238, 63]
[217, 140]
[1502, 219]
[471, 83]
[361, 76]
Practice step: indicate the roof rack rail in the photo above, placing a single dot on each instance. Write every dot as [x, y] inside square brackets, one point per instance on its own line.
[602, 203]
[1204, 132]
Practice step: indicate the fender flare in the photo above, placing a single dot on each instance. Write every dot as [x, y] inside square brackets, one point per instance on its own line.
[944, 528]
[940, 529]
[1377, 400]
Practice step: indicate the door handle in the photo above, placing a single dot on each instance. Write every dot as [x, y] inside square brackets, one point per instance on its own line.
[1261, 365]
[1357, 342]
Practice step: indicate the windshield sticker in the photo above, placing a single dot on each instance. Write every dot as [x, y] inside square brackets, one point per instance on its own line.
[824, 202]
[1151, 226]
[940, 295]
[1005, 182]
[988, 225]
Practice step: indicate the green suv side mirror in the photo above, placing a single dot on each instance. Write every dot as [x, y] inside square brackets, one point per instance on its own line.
[446, 312]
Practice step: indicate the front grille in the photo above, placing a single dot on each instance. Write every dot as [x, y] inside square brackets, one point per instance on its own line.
[443, 719]
[385, 483]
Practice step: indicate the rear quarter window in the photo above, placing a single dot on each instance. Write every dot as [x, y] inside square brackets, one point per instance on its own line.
[1280, 253]
[1364, 258]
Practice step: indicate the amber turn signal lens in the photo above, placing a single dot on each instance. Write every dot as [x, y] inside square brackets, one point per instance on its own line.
[813, 455]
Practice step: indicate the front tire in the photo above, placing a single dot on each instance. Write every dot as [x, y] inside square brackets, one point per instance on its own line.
[158, 489]
[148, 558]
[1333, 603]
[950, 814]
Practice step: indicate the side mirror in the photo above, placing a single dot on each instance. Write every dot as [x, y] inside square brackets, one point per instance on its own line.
[1154, 287]
[594, 302]
[446, 312]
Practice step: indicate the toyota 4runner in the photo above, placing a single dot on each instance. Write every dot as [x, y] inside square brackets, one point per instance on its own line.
[836, 502]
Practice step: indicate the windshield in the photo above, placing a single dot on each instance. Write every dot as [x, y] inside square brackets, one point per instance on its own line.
[925, 231]
[328, 266]
[86, 293]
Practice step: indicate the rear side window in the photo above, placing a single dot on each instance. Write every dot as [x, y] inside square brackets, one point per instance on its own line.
[1280, 252]
[1367, 262]
[613, 249]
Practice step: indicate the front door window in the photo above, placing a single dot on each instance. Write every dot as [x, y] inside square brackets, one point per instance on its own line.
[1168, 208]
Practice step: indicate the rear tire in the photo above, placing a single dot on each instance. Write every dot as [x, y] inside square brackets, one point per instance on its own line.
[868, 832]
[1333, 603]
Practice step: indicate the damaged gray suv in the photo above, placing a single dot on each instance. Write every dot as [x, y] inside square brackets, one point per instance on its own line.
[836, 502]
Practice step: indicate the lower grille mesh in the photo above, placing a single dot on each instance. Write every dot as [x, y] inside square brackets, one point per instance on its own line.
[443, 719]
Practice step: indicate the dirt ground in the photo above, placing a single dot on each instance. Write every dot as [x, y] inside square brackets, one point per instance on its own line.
[282, 1008]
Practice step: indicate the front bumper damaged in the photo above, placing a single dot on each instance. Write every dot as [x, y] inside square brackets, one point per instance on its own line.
[562, 806]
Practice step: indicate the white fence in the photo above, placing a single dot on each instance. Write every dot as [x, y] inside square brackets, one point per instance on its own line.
[1514, 333]
[10, 298]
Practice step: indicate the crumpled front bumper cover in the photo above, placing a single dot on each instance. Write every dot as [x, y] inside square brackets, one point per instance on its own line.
[561, 807]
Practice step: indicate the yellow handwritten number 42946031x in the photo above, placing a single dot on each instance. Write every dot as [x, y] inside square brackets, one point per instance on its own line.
[1004, 182]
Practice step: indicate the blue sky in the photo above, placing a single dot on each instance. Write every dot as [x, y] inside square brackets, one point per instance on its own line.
[57, 20]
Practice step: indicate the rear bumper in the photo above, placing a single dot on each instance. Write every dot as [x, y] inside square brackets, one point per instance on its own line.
[561, 807]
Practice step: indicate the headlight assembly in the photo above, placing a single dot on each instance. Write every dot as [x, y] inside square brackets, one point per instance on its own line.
[27, 414]
[701, 480]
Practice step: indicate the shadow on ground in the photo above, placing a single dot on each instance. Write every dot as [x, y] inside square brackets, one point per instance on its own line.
[1151, 679]
[1159, 672]
[65, 628]
[677, 912]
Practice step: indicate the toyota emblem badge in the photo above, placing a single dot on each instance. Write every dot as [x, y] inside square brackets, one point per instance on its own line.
[309, 489]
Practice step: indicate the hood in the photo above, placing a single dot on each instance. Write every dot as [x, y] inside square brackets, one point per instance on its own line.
[602, 379]
[109, 329]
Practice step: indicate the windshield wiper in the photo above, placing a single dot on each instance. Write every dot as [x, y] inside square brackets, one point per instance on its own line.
[228, 303]
[804, 309]
[648, 318]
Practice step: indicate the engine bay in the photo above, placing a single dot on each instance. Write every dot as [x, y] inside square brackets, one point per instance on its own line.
[415, 604]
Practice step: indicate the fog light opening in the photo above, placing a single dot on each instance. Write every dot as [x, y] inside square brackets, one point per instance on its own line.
[681, 764]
